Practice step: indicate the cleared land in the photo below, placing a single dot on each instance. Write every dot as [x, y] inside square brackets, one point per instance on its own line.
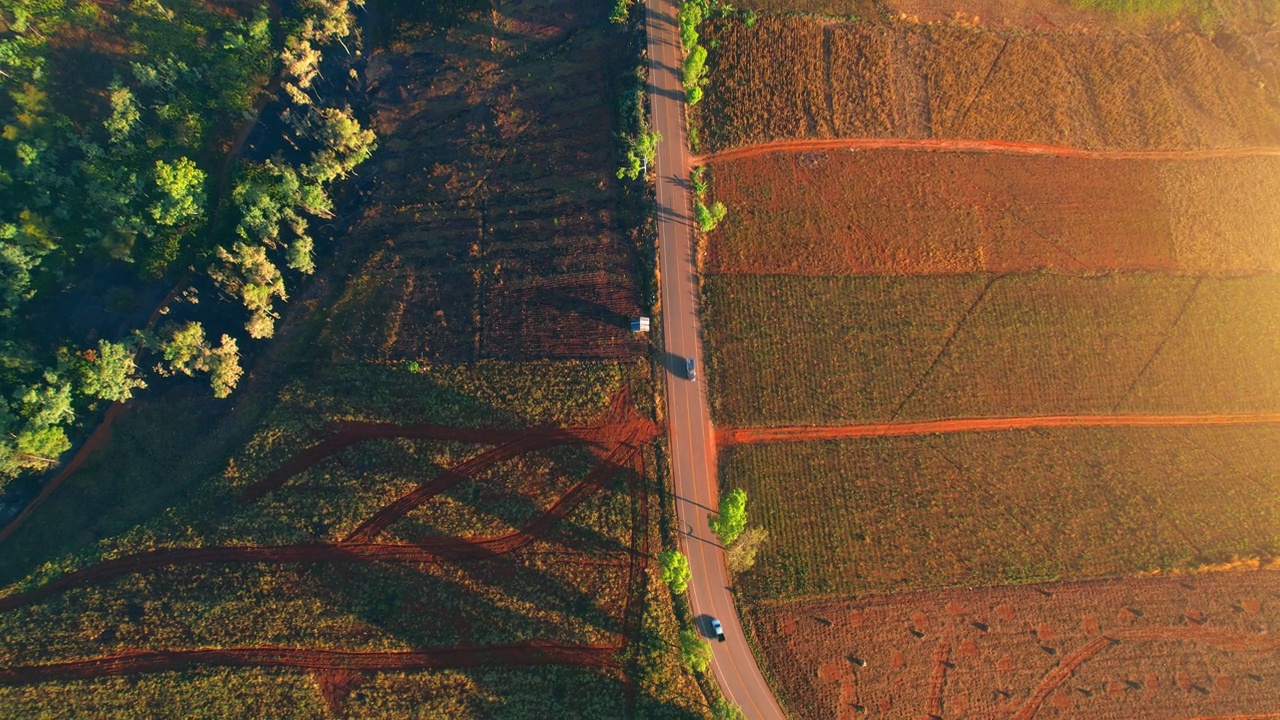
[836, 212]
[1191, 646]
[791, 350]
[904, 513]
[791, 77]
[495, 232]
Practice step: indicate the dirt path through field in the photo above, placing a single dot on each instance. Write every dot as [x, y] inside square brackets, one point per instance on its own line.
[742, 436]
[1221, 639]
[524, 654]
[1002, 147]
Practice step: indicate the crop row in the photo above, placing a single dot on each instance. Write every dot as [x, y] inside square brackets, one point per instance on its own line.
[789, 350]
[990, 508]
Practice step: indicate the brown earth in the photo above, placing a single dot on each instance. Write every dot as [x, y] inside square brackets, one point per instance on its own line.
[793, 77]
[1165, 647]
[739, 436]
[493, 228]
[833, 212]
[531, 653]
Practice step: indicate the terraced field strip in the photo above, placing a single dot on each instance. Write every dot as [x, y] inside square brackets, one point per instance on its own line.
[743, 436]
[524, 654]
[1001, 147]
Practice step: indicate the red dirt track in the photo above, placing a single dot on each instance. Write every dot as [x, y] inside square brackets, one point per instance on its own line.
[1002, 147]
[1221, 639]
[531, 653]
[741, 436]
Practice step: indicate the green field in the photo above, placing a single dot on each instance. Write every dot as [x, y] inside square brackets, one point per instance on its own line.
[789, 350]
[890, 514]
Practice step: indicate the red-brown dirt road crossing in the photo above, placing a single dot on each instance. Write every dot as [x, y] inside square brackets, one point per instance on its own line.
[742, 436]
[531, 653]
[1003, 147]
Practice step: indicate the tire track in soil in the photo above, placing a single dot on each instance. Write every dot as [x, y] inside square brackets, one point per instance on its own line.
[522, 654]
[742, 436]
[982, 147]
[1220, 639]
[435, 550]
[938, 679]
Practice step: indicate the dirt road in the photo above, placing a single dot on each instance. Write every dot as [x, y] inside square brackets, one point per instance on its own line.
[692, 438]
[742, 436]
[1002, 147]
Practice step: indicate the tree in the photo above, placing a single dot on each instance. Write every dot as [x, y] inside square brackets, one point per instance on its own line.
[694, 651]
[733, 516]
[641, 152]
[124, 113]
[709, 217]
[344, 145]
[724, 710]
[621, 11]
[181, 187]
[188, 352]
[675, 570]
[741, 555]
[695, 67]
[245, 270]
[689, 17]
[109, 373]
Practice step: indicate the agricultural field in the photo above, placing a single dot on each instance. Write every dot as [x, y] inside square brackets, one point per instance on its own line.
[832, 212]
[888, 514]
[436, 492]
[796, 350]
[1158, 647]
[794, 77]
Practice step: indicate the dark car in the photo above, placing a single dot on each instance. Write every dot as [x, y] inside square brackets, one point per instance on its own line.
[717, 630]
[689, 371]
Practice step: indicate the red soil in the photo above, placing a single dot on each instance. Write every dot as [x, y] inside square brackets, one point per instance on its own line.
[1004, 147]
[739, 436]
[1221, 639]
[523, 654]
[95, 440]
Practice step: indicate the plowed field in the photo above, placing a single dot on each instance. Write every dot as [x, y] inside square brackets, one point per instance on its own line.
[1197, 646]
[895, 212]
[791, 350]
[791, 77]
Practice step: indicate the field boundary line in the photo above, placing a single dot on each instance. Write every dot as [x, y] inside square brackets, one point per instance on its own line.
[727, 436]
[946, 345]
[1168, 333]
[982, 147]
[530, 653]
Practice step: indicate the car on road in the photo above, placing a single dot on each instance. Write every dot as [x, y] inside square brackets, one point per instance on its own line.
[689, 371]
[717, 630]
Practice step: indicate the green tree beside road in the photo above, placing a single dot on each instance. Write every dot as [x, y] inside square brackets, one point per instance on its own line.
[675, 570]
[732, 520]
[694, 651]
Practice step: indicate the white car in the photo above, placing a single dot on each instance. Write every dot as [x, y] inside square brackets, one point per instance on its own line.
[689, 371]
[717, 629]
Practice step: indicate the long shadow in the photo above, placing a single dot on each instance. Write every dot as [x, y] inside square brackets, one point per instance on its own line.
[585, 307]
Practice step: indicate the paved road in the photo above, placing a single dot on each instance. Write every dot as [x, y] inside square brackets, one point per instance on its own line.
[692, 440]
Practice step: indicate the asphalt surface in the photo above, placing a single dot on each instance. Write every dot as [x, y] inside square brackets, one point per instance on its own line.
[689, 421]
